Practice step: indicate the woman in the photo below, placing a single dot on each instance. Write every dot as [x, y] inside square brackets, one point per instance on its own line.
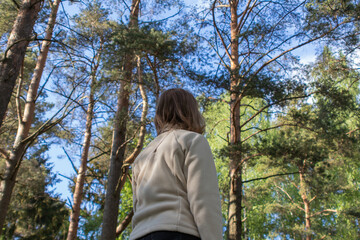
[175, 188]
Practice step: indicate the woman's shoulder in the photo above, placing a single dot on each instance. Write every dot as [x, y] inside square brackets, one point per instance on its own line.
[185, 133]
[185, 137]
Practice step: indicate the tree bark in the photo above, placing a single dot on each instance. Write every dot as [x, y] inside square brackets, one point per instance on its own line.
[130, 159]
[19, 147]
[145, 106]
[75, 213]
[79, 185]
[112, 197]
[16, 47]
[235, 169]
[306, 202]
[123, 225]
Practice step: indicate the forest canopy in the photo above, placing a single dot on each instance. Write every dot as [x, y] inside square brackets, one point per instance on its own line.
[79, 83]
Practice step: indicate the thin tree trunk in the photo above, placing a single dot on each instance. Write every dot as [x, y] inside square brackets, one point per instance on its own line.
[14, 54]
[75, 213]
[112, 197]
[306, 202]
[145, 106]
[19, 147]
[235, 170]
[79, 186]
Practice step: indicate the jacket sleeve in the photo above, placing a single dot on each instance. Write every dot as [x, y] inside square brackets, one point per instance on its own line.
[203, 189]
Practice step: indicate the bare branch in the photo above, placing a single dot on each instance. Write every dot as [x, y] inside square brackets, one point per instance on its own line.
[68, 178]
[291, 199]
[352, 131]
[122, 180]
[218, 32]
[323, 211]
[122, 226]
[274, 103]
[295, 185]
[16, 4]
[298, 46]
[71, 161]
[5, 154]
[249, 157]
[18, 94]
[130, 159]
[217, 53]
[217, 123]
[246, 13]
[271, 176]
[99, 155]
[273, 127]
[312, 199]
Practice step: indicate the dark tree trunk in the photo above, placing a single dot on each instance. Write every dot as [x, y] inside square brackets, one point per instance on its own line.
[16, 47]
[112, 197]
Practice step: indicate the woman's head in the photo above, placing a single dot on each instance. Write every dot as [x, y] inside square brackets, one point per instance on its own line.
[178, 109]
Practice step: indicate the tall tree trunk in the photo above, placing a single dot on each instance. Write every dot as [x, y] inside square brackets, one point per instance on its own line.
[112, 197]
[16, 47]
[235, 169]
[306, 202]
[131, 158]
[79, 186]
[75, 213]
[19, 147]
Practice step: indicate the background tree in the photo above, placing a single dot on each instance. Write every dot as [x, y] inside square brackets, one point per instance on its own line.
[13, 56]
[254, 50]
[90, 35]
[35, 212]
[14, 159]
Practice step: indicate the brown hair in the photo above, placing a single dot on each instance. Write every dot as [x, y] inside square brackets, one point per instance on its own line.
[178, 109]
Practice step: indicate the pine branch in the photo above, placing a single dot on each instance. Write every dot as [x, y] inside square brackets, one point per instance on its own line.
[249, 157]
[352, 131]
[275, 175]
[217, 123]
[323, 211]
[273, 127]
[291, 199]
[274, 103]
[218, 31]
[16, 4]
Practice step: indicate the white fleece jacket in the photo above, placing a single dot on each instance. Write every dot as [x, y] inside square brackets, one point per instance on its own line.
[175, 187]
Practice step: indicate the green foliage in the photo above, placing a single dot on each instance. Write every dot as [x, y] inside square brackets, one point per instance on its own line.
[126, 206]
[316, 149]
[36, 213]
[324, 15]
[216, 115]
[8, 12]
[313, 139]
